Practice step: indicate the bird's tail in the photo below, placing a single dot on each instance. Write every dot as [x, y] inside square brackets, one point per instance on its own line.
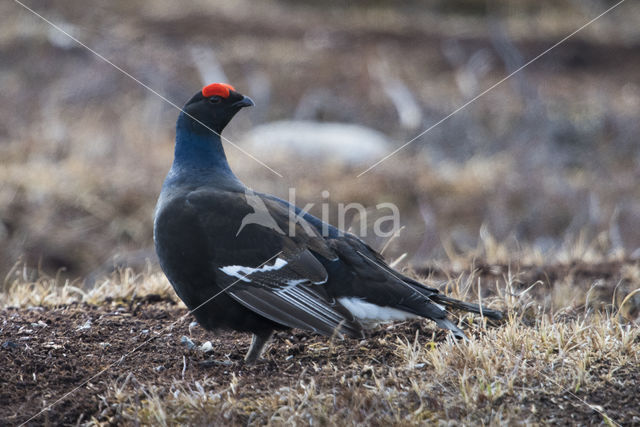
[461, 305]
[448, 324]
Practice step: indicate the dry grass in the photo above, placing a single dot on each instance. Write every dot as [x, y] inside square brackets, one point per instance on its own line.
[537, 160]
[45, 291]
[539, 366]
[566, 353]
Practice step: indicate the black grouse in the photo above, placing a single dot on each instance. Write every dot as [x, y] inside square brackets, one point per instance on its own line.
[252, 262]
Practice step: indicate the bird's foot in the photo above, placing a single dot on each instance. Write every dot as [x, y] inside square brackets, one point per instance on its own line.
[258, 343]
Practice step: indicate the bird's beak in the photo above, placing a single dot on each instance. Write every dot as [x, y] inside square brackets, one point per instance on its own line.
[244, 102]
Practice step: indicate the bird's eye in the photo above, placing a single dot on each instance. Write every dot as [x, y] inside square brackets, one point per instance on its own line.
[215, 99]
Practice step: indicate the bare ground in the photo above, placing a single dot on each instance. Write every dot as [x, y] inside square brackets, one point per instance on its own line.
[137, 364]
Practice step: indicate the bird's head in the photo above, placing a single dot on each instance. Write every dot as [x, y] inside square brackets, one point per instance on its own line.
[216, 104]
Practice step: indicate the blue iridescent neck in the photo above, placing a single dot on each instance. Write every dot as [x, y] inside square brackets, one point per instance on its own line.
[199, 155]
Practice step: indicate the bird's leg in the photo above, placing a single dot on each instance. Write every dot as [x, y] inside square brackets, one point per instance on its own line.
[257, 346]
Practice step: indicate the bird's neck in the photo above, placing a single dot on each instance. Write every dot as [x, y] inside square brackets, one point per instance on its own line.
[199, 155]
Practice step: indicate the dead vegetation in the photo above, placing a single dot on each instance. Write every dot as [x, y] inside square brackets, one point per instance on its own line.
[527, 200]
[538, 160]
[567, 353]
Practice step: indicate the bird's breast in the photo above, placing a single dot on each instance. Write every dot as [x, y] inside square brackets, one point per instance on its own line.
[183, 250]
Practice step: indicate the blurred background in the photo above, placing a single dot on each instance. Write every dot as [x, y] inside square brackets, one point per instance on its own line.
[547, 160]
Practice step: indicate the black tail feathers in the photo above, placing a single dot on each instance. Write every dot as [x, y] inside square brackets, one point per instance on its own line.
[461, 305]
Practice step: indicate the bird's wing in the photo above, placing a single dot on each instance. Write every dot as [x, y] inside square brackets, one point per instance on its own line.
[364, 275]
[354, 248]
[381, 288]
[379, 284]
[277, 276]
[363, 258]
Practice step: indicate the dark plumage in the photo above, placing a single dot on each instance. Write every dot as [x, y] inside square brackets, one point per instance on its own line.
[232, 258]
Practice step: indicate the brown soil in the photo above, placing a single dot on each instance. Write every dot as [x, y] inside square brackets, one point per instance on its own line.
[42, 363]
[75, 353]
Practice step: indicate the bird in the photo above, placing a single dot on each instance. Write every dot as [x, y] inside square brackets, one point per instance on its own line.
[286, 270]
[260, 214]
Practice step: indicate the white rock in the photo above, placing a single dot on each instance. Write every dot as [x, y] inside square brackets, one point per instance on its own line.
[186, 341]
[348, 143]
[206, 347]
[87, 325]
